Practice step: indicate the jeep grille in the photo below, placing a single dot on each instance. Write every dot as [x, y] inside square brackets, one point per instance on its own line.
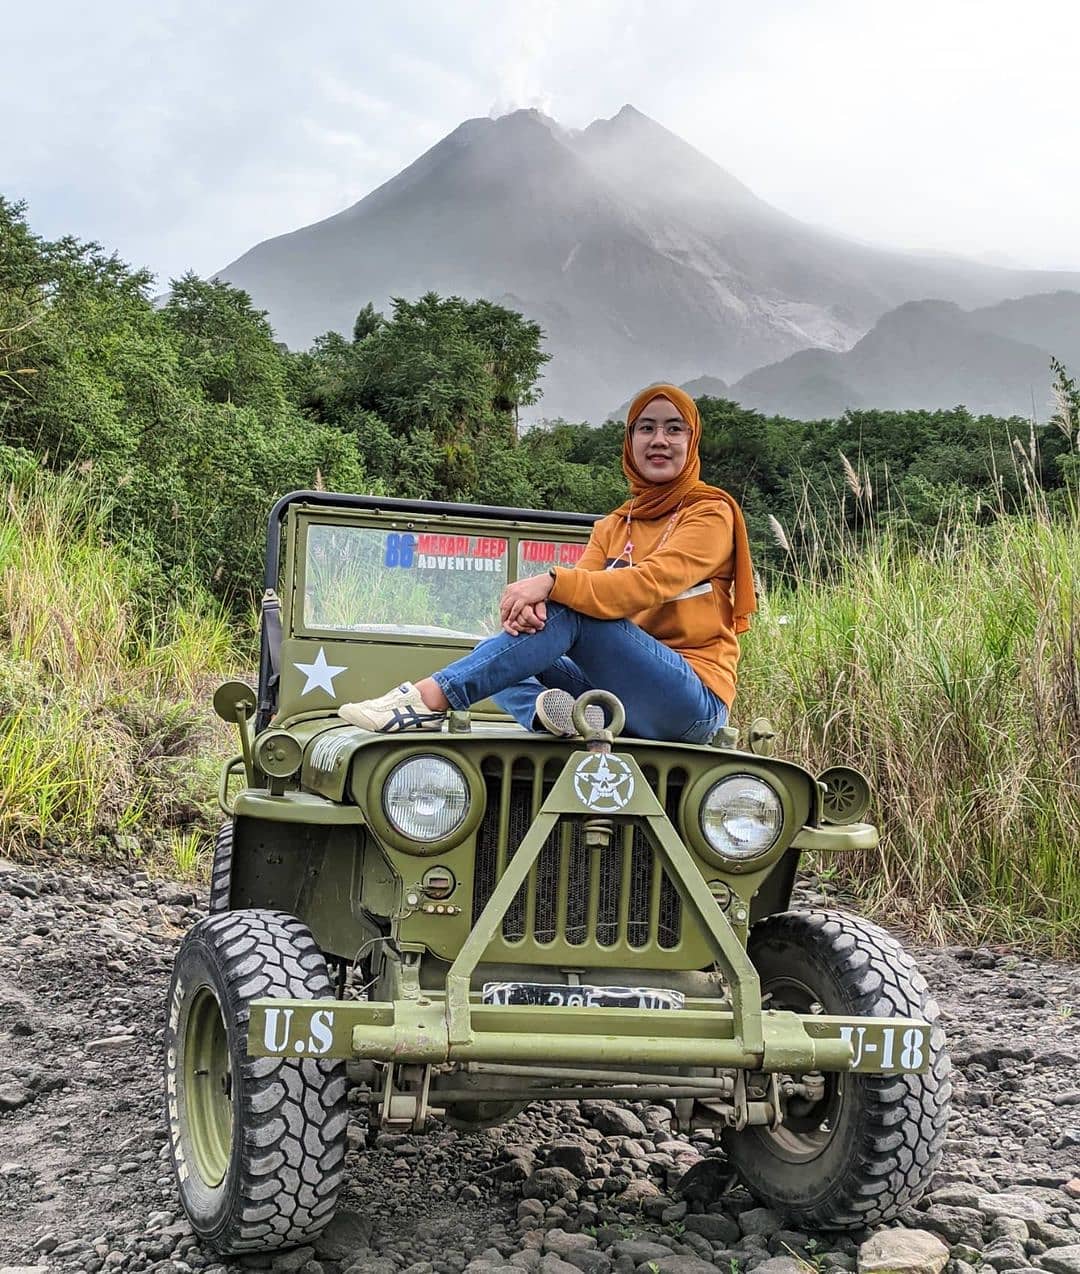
[621, 896]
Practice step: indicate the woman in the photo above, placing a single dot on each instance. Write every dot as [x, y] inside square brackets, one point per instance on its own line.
[651, 612]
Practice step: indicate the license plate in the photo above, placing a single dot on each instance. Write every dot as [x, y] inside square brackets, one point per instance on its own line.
[559, 995]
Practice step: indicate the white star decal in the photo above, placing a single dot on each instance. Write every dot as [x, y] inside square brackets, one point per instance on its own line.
[320, 675]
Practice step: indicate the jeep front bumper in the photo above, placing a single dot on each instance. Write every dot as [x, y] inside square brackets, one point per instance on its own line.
[418, 1031]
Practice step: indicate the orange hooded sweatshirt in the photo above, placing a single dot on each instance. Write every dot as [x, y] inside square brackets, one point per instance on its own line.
[686, 578]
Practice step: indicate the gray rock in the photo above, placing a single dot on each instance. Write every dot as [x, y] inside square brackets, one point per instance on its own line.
[1019, 1207]
[12, 1097]
[836, 1261]
[678, 1264]
[370, 1265]
[617, 1121]
[789, 1243]
[760, 1221]
[554, 1264]
[1003, 1255]
[638, 1190]
[589, 1261]
[705, 1180]
[753, 1245]
[1059, 1260]
[961, 1194]
[698, 1244]
[1051, 1235]
[1005, 1227]
[347, 1235]
[291, 1261]
[781, 1265]
[565, 1154]
[109, 1044]
[562, 1243]
[639, 1251]
[714, 1226]
[550, 1184]
[512, 1171]
[969, 1255]
[955, 1225]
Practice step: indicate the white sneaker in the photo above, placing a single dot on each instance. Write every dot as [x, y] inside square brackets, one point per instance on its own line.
[554, 710]
[399, 709]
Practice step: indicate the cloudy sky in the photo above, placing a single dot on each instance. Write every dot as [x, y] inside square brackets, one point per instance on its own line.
[181, 132]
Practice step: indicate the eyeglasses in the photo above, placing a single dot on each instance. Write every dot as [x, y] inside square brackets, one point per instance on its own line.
[673, 430]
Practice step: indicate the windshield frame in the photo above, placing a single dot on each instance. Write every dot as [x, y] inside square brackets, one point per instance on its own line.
[291, 510]
[525, 526]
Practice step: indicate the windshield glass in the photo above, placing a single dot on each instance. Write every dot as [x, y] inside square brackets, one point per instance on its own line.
[362, 580]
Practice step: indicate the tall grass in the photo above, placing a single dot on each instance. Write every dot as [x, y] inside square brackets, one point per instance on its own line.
[104, 732]
[948, 674]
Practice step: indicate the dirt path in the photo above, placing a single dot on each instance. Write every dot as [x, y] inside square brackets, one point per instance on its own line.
[85, 1184]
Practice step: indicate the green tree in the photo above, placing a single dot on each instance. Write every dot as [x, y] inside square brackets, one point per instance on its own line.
[368, 321]
[435, 382]
[227, 345]
[182, 417]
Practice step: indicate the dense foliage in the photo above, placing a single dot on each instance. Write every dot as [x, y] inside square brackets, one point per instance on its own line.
[193, 420]
[913, 625]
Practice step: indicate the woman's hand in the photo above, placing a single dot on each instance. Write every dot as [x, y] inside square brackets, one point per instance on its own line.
[530, 620]
[521, 607]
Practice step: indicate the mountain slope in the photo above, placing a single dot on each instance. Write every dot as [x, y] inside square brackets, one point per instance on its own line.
[929, 354]
[641, 258]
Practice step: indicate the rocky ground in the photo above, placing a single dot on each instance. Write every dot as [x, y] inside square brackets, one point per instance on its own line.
[85, 1182]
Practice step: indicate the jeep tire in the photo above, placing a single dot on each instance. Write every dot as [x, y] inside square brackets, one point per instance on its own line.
[868, 1150]
[258, 1144]
[221, 871]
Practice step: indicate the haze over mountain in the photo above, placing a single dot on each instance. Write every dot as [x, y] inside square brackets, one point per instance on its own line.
[641, 258]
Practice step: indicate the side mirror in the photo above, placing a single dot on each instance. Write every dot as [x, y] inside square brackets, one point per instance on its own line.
[761, 737]
[233, 701]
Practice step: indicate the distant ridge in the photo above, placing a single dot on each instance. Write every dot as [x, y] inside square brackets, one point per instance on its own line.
[699, 387]
[642, 259]
[994, 360]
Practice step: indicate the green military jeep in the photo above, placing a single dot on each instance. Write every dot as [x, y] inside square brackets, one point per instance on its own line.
[466, 921]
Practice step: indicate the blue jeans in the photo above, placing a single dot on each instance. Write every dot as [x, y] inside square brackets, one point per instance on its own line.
[663, 696]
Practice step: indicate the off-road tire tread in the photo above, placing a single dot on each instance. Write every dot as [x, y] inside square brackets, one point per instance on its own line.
[902, 1135]
[291, 1165]
[221, 870]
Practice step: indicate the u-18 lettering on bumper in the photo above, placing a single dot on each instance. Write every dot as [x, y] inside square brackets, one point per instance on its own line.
[325, 1029]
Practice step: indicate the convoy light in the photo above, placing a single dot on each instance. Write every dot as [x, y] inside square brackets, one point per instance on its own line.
[741, 817]
[426, 798]
[278, 754]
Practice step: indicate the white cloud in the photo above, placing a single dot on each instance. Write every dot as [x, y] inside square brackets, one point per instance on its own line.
[184, 132]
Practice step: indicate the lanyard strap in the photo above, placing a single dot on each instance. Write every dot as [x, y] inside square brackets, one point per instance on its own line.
[628, 551]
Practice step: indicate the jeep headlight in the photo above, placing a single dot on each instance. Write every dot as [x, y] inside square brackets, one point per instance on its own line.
[426, 798]
[741, 817]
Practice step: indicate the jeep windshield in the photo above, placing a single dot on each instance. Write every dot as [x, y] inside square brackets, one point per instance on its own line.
[416, 583]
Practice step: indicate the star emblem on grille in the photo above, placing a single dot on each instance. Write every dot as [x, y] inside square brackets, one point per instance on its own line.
[603, 783]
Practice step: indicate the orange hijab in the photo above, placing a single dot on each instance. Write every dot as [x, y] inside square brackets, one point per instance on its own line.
[653, 500]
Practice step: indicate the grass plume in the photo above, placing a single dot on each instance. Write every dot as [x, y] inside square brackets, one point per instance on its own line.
[948, 674]
[102, 692]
